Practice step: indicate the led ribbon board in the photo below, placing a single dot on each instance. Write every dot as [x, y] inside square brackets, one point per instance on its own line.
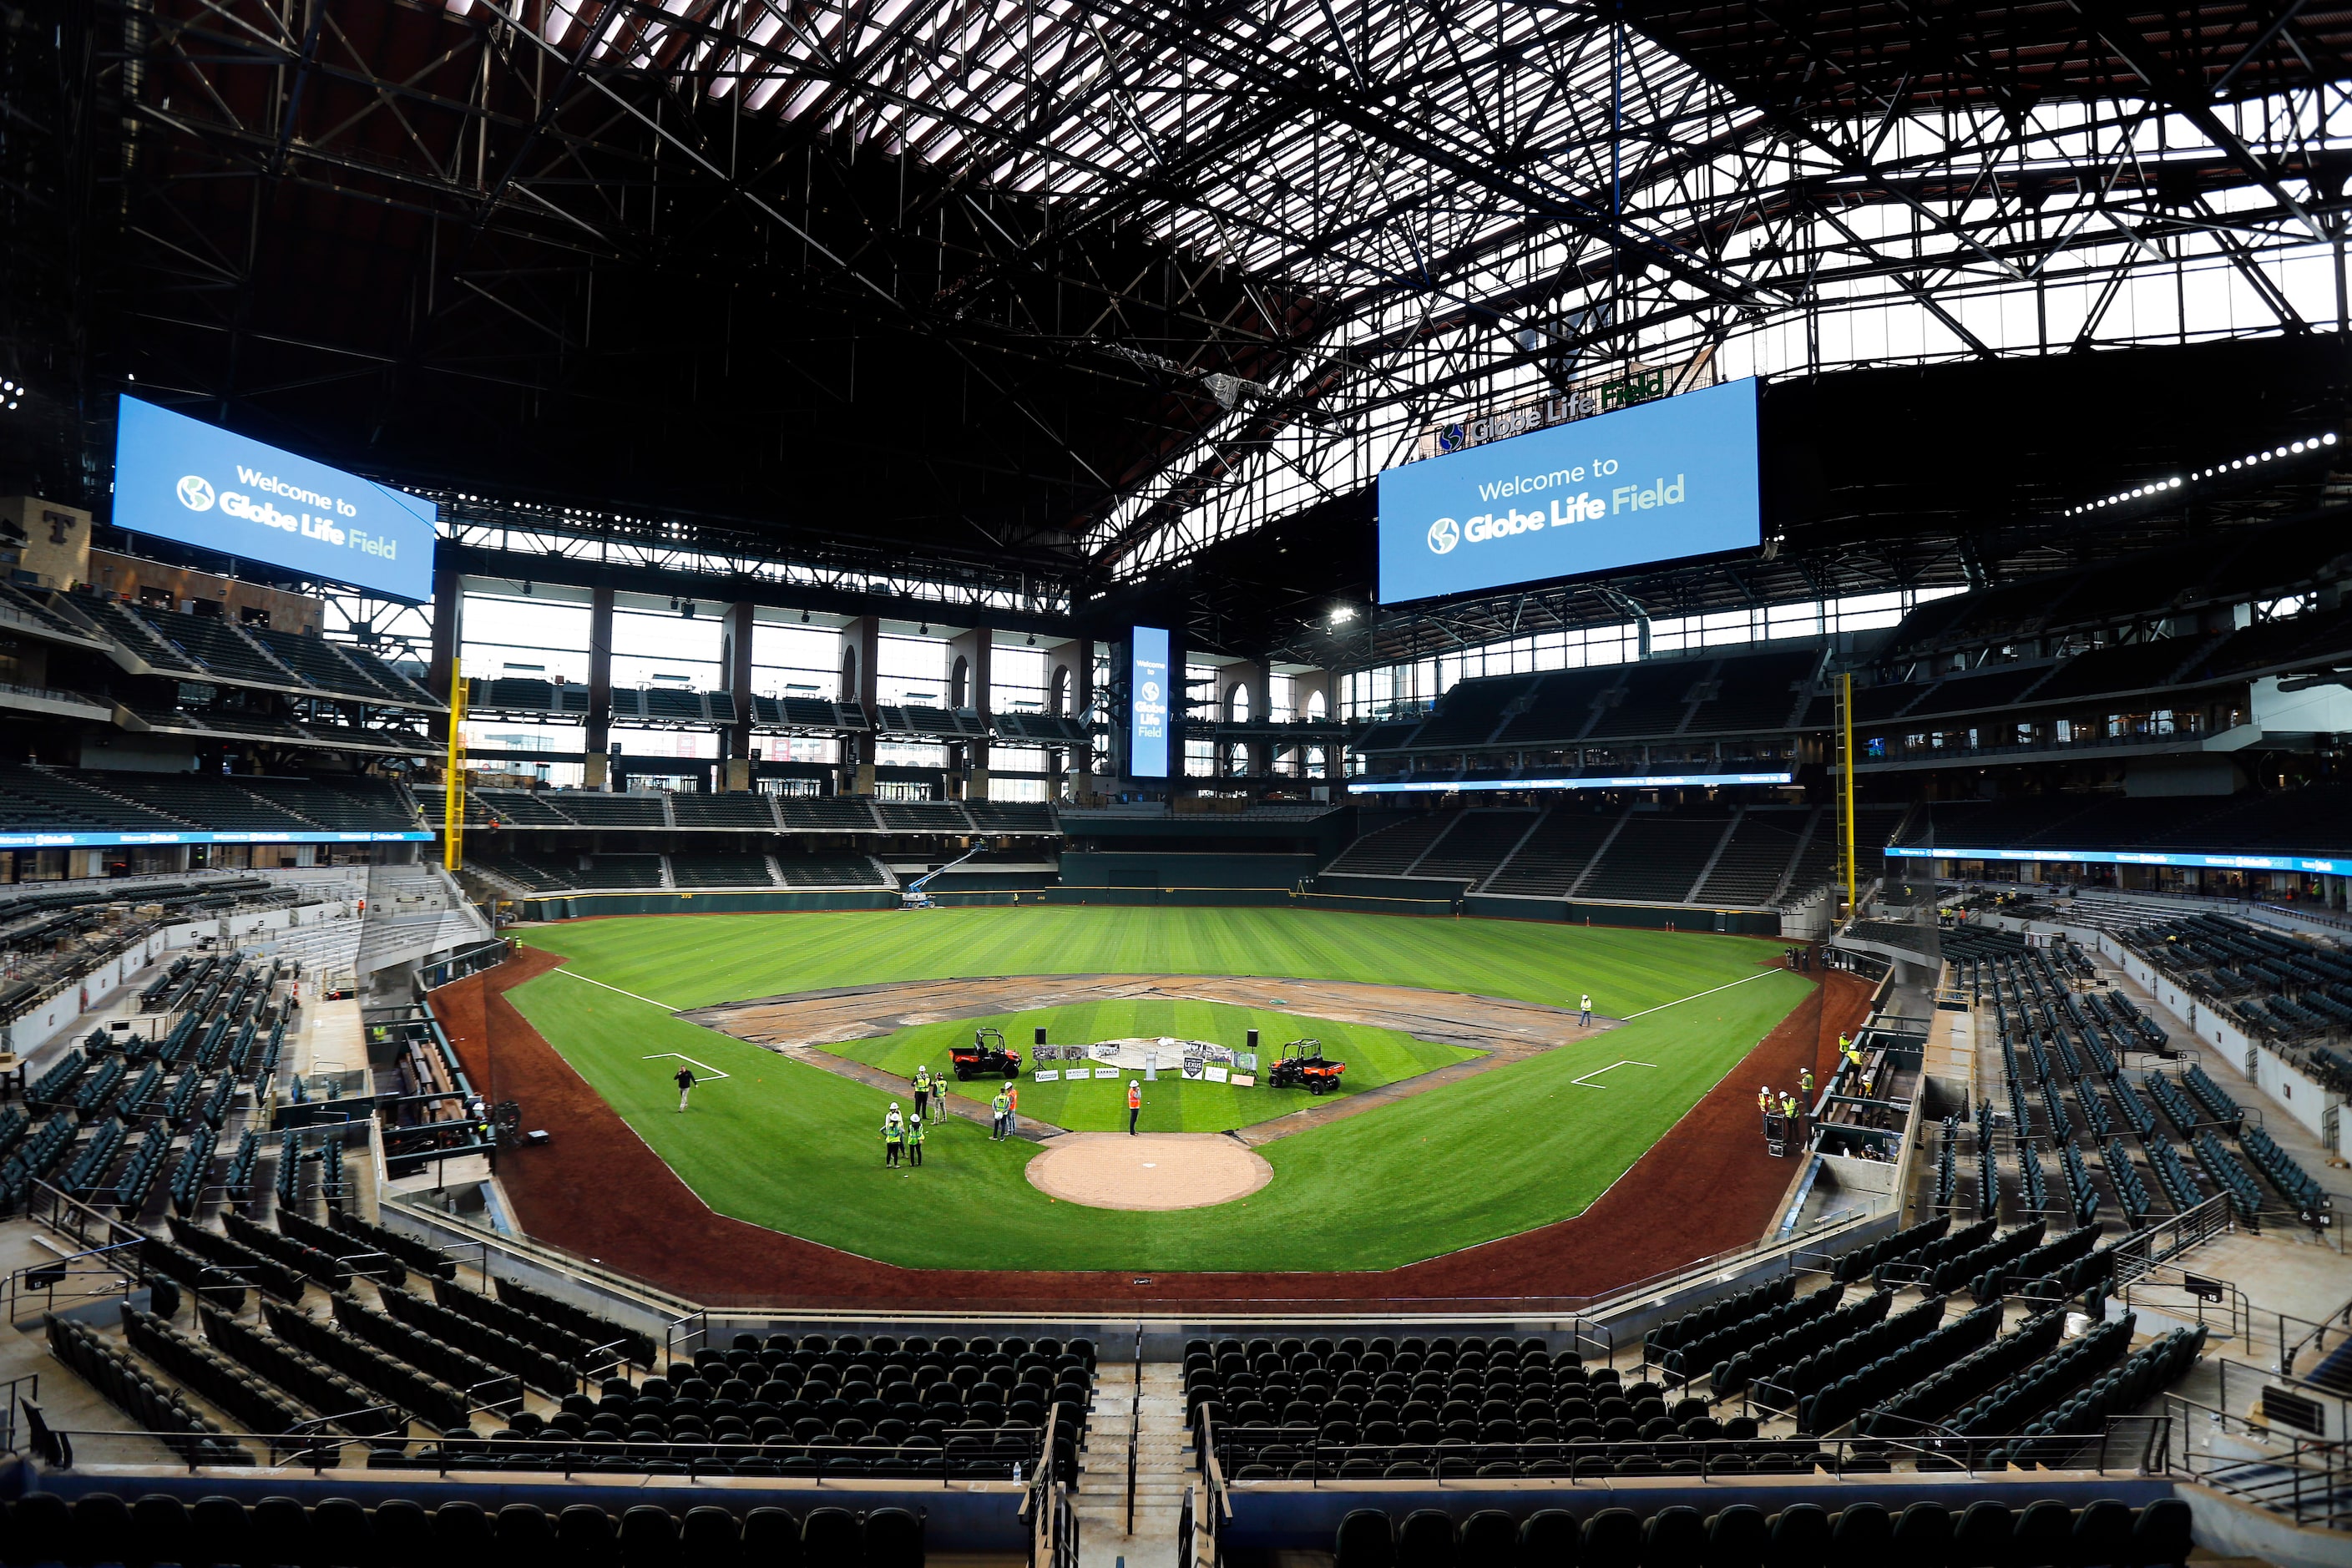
[1148, 695]
[2321, 865]
[43, 839]
[183, 480]
[1655, 482]
[1626, 781]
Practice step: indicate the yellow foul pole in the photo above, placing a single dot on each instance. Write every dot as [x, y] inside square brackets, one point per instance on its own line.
[453, 798]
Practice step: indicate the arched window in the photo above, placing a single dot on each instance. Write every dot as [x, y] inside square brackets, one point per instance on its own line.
[1237, 704]
[848, 675]
[1057, 694]
[1315, 709]
[958, 681]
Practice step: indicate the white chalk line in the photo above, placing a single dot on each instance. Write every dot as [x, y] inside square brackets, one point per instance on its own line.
[682, 1056]
[1696, 995]
[630, 994]
[1596, 1072]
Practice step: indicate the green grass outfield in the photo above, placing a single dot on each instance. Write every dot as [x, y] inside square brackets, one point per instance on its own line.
[1171, 1103]
[796, 1148]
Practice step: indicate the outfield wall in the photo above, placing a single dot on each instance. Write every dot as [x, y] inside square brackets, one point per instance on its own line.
[1360, 895]
[581, 906]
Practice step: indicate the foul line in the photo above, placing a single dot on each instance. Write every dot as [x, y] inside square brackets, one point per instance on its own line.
[1645, 1012]
[681, 1056]
[630, 994]
[1596, 1072]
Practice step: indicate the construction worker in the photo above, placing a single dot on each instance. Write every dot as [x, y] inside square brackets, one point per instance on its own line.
[1584, 1013]
[1001, 1113]
[923, 1090]
[915, 1139]
[1805, 1082]
[1764, 1104]
[1012, 1109]
[1134, 1103]
[894, 1136]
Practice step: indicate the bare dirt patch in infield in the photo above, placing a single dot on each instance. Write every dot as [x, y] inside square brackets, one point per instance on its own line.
[1148, 1170]
[1501, 1030]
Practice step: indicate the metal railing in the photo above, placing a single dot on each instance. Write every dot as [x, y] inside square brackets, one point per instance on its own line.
[2308, 1479]
[1134, 1427]
[1002, 1454]
[2130, 1444]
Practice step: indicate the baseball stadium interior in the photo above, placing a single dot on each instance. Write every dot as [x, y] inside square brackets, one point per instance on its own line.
[947, 584]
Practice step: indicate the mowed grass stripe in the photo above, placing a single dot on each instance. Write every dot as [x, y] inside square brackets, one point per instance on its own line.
[796, 1148]
[695, 960]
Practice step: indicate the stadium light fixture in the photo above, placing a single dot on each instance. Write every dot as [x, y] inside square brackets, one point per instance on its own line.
[2308, 445]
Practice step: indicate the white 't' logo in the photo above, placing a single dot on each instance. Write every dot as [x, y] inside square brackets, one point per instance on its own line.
[195, 493]
[1444, 535]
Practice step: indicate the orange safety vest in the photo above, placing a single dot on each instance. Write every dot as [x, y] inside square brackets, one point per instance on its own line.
[1134, 1095]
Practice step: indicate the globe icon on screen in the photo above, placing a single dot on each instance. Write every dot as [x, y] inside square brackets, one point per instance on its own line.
[1444, 535]
[1150, 691]
[196, 493]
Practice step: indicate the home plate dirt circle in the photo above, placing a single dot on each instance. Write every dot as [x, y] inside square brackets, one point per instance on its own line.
[1148, 1170]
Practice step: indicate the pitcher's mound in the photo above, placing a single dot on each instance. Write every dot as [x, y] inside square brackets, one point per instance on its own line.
[1148, 1170]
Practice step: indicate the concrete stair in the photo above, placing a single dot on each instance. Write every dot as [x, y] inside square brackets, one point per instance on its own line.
[1163, 1469]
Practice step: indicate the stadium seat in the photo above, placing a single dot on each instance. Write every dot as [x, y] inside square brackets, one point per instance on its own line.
[217, 1530]
[1923, 1535]
[1425, 1540]
[1737, 1537]
[1981, 1537]
[830, 1538]
[648, 1538]
[1800, 1537]
[1490, 1535]
[341, 1537]
[2043, 1536]
[42, 1526]
[101, 1528]
[1613, 1539]
[1674, 1537]
[1366, 1539]
[2161, 1535]
[159, 1528]
[771, 1539]
[583, 1535]
[1860, 1537]
[2103, 1535]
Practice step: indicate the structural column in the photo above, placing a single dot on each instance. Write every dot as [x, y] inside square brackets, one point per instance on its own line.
[1315, 693]
[448, 636]
[861, 649]
[971, 673]
[600, 689]
[735, 661]
[1253, 680]
[1082, 702]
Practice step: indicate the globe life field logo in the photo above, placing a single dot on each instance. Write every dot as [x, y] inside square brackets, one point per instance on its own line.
[1444, 535]
[195, 492]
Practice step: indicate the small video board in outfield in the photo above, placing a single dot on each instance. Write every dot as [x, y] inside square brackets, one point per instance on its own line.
[183, 480]
[1655, 482]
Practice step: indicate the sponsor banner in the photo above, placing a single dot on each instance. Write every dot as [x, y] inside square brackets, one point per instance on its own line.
[30, 839]
[1245, 1080]
[1106, 1073]
[2322, 865]
[1193, 1066]
[1216, 1074]
[1046, 1075]
[1658, 481]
